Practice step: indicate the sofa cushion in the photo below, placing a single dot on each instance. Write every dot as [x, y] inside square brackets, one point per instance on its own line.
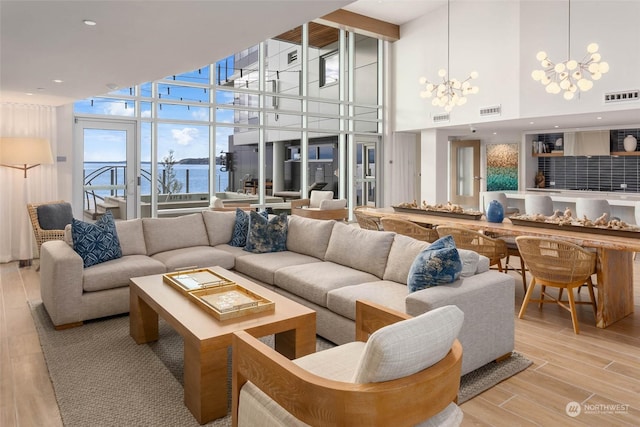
[196, 257]
[317, 196]
[131, 237]
[333, 204]
[437, 264]
[54, 216]
[313, 281]
[219, 226]
[233, 250]
[309, 236]
[96, 243]
[403, 251]
[470, 261]
[241, 228]
[364, 250]
[165, 234]
[264, 266]
[385, 292]
[116, 273]
[266, 235]
[407, 347]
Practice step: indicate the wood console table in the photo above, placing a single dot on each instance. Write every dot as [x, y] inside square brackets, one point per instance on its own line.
[614, 257]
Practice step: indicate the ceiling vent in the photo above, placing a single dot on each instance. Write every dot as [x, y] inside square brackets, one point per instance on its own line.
[491, 111]
[439, 118]
[627, 95]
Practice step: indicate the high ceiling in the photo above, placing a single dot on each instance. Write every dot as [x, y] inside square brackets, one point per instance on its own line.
[141, 40]
[132, 42]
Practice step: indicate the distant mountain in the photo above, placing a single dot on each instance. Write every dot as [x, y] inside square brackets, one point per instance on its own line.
[201, 161]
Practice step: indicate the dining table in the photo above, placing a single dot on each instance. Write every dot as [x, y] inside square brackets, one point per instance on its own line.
[614, 252]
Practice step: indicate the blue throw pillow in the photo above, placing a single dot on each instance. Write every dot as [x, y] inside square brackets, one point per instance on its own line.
[267, 235]
[241, 228]
[435, 265]
[98, 242]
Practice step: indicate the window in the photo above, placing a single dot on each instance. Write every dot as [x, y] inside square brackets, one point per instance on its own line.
[329, 69]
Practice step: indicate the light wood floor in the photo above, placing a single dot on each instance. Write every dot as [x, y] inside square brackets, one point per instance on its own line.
[596, 368]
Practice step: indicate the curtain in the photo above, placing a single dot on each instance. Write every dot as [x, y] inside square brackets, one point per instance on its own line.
[41, 185]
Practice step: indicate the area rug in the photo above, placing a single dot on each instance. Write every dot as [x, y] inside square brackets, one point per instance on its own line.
[101, 377]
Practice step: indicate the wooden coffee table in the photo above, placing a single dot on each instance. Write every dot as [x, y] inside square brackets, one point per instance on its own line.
[206, 339]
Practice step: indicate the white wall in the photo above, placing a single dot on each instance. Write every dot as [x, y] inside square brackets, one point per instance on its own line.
[613, 24]
[484, 38]
[64, 117]
[434, 166]
[500, 40]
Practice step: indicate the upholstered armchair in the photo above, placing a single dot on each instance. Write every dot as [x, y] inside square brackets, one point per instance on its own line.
[321, 205]
[400, 371]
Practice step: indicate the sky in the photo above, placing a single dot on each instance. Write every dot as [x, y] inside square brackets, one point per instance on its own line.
[186, 140]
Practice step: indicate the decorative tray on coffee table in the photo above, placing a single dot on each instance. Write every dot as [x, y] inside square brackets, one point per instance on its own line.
[216, 294]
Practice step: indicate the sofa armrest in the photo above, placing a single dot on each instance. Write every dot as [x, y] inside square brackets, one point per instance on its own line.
[61, 271]
[487, 301]
[371, 316]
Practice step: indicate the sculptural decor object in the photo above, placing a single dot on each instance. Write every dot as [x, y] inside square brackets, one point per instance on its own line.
[495, 211]
[630, 143]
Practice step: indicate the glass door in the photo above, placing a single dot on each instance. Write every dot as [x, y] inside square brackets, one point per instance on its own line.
[366, 174]
[107, 167]
[465, 173]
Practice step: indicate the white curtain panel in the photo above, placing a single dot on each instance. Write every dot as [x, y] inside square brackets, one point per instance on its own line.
[41, 185]
[400, 174]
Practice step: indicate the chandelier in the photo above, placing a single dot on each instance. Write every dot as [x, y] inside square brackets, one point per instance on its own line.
[570, 76]
[450, 92]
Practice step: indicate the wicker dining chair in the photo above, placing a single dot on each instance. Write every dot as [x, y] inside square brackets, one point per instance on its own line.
[494, 249]
[410, 229]
[365, 221]
[561, 265]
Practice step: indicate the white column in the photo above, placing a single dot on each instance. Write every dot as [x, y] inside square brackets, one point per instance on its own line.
[278, 165]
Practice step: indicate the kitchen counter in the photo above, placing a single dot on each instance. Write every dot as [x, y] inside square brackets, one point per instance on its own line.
[622, 203]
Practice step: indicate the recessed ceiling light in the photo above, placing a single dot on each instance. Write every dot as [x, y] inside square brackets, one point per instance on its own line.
[112, 86]
[556, 126]
[89, 22]
[28, 93]
[531, 123]
[40, 88]
[598, 118]
[495, 133]
[57, 81]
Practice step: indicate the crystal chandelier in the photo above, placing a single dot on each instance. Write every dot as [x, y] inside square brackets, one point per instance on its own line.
[570, 76]
[450, 92]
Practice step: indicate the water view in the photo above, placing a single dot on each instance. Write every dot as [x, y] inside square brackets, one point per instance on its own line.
[193, 177]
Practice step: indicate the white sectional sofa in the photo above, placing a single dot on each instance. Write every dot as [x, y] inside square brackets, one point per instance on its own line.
[327, 266]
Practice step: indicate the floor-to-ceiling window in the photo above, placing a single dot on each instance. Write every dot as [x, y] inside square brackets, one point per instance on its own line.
[293, 112]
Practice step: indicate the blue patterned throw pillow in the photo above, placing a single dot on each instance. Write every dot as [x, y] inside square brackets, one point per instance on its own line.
[241, 228]
[435, 265]
[267, 235]
[98, 242]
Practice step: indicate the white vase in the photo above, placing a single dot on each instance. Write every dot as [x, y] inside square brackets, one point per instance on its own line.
[630, 143]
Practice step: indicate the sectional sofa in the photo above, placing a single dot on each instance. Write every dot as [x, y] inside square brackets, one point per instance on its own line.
[327, 266]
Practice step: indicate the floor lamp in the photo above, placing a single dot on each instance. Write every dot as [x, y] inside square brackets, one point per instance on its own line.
[24, 154]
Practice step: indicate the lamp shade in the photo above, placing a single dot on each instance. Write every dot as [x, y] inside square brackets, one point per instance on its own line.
[25, 151]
